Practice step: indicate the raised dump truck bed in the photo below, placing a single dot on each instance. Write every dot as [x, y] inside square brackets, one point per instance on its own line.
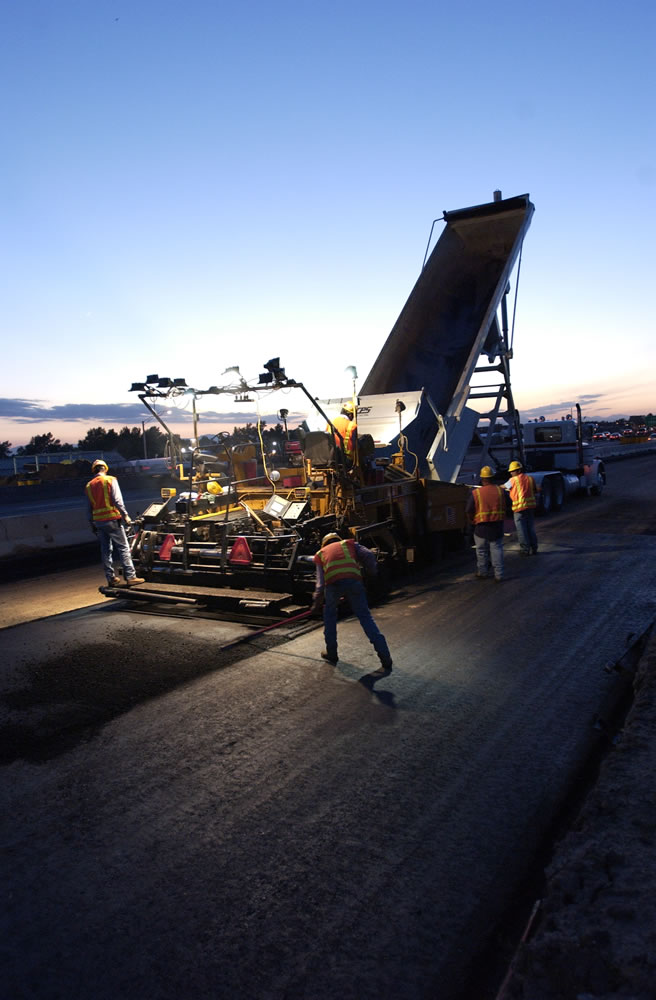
[448, 321]
[453, 303]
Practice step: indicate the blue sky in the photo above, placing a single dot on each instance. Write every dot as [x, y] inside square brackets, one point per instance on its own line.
[190, 187]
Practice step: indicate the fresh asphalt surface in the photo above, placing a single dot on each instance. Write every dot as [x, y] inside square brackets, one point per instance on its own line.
[181, 821]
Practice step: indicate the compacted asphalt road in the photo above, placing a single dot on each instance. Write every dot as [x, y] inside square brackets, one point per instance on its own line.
[182, 820]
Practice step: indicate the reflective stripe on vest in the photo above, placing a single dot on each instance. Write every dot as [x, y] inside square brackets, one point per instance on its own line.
[490, 505]
[339, 562]
[98, 492]
[522, 492]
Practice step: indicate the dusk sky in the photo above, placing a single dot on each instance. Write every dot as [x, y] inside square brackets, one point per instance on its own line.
[189, 187]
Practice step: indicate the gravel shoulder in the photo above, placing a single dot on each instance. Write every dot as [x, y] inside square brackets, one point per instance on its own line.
[595, 932]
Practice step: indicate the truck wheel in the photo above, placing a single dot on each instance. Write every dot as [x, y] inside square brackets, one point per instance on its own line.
[600, 481]
[557, 493]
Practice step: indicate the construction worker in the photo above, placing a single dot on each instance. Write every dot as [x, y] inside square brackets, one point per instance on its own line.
[523, 494]
[107, 514]
[347, 427]
[339, 574]
[487, 507]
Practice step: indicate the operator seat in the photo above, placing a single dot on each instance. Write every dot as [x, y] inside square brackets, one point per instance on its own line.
[320, 448]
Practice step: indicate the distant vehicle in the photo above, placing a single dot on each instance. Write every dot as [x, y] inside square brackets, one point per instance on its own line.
[155, 468]
[616, 437]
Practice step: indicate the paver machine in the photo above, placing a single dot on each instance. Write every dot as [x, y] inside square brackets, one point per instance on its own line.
[239, 531]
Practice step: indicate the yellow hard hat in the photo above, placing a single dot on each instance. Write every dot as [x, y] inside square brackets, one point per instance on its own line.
[98, 464]
[214, 487]
[348, 407]
[486, 472]
[515, 467]
[332, 536]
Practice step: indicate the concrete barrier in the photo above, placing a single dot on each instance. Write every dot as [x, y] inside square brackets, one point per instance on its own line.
[29, 534]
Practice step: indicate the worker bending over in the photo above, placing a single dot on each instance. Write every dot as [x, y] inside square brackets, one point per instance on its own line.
[339, 575]
[107, 514]
[523, 494]
[487, 507]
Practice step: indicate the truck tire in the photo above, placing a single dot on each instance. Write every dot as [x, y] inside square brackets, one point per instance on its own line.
[600, 481]
[557, 493]
[546, 497]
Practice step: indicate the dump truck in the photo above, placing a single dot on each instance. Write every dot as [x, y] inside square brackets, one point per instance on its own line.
[454, 338]
[239, 532]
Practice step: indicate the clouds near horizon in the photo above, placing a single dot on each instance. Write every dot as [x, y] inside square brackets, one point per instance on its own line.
[38, 417]
[34, 416]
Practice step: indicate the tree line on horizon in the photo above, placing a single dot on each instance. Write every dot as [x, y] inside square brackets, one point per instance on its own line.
[129, 441]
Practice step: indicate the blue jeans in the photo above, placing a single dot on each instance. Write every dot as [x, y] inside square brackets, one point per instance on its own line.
[525, 524]
[111, 535]
[489, 555]
[355, 594]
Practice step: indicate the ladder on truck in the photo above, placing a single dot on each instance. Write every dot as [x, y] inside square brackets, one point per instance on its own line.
[502, 429]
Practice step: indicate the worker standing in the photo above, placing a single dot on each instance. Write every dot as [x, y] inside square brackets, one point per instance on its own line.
[523, 494]
[347, 427]
[339, 574]
[107, 514]
[487, 507]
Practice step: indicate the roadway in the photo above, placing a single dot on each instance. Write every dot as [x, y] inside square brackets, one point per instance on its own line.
[185, 818]
[41, 522]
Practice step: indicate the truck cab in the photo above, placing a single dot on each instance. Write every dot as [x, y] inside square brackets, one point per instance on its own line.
[553, 444]
[561, 462]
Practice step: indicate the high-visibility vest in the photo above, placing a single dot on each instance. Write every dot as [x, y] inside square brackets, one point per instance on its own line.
[339, 561]
[522, 492]
[347, 428]
[489, 503]
[100, 498]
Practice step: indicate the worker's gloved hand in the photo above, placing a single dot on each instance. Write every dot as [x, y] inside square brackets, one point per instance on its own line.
[317, 602]
[128, 522]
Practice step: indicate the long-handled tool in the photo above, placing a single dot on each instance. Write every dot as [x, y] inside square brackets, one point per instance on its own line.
[267, 628]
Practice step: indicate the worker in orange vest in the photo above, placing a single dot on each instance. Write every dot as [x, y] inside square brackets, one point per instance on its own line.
[524, 496]
[107, 513]
[339, 575]
[347, 427]
[487, 508]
